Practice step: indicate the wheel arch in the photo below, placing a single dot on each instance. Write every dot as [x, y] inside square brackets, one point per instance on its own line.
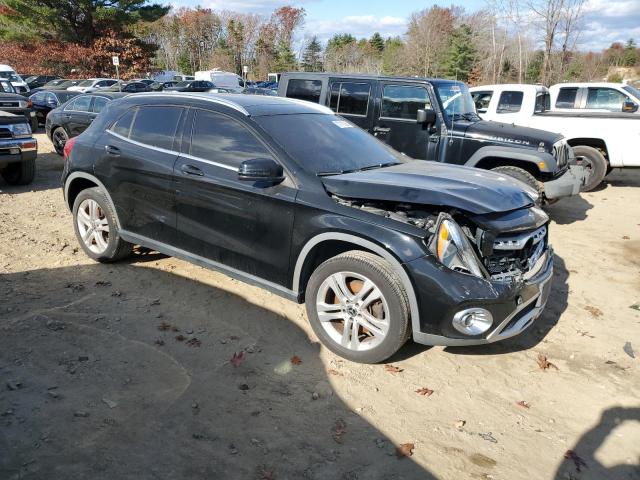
[76, 182]
[489, 163]
[329, 244]
[597, 143]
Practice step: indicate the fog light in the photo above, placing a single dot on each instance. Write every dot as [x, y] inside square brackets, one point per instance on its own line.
[473, 321]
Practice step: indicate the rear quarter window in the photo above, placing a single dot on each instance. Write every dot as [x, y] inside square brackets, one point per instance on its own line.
[304, 89]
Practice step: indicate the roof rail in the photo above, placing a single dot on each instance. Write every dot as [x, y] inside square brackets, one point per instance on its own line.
[209, 98]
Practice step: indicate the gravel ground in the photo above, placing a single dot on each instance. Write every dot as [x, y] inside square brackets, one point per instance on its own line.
[153, 368]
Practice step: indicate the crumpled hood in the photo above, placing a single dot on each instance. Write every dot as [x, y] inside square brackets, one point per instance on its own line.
[431, 183]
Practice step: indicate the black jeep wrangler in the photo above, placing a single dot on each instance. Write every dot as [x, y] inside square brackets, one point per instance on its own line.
[434, 119]
[18, 150]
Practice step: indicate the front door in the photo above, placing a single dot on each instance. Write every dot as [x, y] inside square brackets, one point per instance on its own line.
[395, 119]
[76, 115]
[240, 224]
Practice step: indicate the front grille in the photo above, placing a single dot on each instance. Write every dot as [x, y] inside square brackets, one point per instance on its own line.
[9, 105]
[561, 153]
[515, 254]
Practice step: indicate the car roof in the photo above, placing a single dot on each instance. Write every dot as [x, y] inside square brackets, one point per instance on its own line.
[110, 95]
[249, 105]
[365, 76]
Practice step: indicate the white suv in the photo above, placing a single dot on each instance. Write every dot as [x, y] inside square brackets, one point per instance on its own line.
[93, 84]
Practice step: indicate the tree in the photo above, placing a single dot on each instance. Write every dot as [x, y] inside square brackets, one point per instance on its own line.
[630, 54]
[460, 57]
[312, 56]
[377, 42]
[427, 39]
[77, 21]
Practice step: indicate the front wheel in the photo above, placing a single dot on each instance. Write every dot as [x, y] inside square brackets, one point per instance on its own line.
[524, 176]
[358, 307]
[594, 163]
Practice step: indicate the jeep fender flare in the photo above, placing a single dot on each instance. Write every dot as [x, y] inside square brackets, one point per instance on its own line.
[510, 153]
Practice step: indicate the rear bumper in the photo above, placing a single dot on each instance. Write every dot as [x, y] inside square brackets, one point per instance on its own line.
[567, 184]
[18, 150]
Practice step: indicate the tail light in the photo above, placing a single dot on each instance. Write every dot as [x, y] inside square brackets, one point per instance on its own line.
[68, 146]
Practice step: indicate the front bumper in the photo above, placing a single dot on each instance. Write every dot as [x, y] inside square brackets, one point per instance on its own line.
[567, 184]
[14, 150]
[514, 306]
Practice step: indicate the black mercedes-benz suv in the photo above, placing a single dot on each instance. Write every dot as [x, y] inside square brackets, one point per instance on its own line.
[289, 196]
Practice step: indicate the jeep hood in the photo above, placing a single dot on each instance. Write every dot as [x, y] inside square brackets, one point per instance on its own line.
[431, 183]
[511, 135]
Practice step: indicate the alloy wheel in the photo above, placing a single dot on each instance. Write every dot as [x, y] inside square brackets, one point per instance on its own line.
[353, 311]
[93, 226]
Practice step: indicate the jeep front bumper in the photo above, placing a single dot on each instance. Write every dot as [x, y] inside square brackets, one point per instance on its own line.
[568, 184]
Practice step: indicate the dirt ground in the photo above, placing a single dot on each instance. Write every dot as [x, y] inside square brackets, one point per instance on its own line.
[125, 371]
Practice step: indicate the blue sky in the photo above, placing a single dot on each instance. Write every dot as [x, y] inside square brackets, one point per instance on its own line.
[605, 21]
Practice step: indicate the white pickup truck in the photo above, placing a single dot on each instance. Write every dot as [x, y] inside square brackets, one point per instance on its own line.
[601, 141]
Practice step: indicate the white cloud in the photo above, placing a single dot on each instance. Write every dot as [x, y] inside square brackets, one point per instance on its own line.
[608, 21]
[358, 26]
[261, 7]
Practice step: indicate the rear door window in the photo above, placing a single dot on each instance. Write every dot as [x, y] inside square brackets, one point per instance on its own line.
[222, 139]
[156, 126]
[80, 104]
[566, 98]
[348, 98]
[404, 101]
[510, 102]
[605, 99]
[98, 104]
[304, 89]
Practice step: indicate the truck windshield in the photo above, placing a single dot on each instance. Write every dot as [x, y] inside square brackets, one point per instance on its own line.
[456, 100]
[326, 144]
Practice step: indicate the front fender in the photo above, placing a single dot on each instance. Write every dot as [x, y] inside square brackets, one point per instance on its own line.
[510, 153]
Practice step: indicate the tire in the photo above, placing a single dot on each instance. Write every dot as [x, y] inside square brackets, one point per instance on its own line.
[524, 176]
[384, 301]
[91, 208]
[34, 124]
[59, 138]
[21, 173]
[593, 160]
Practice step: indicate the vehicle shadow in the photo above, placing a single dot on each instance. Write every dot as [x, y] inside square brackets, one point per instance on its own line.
[581, 460]
[129, 372]
[48, 173]
[556, 305]
[569, 210]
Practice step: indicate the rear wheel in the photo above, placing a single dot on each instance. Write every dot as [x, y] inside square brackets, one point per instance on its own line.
[594, 163]
[59, 138]
[21, 173]
[358, 307]
[522, 175]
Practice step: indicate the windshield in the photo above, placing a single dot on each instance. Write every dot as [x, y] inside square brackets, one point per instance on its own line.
[632, 90]
[64, 96]
[11, 76]
[328, 144]
[6, 87]
[456, 100]
[86, 83]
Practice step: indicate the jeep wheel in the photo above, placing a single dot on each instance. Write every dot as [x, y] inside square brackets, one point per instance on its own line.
[594, 163]
[21, 173]
[357, 307]
[524, 176]
[96, 228]
[59, 138]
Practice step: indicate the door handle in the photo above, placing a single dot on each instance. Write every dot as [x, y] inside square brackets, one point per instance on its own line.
[191, 170]
[381, 129]
[113, 151]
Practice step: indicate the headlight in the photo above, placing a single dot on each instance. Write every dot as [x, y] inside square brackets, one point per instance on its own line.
[24, 103]
[20, 130]
[453, 250]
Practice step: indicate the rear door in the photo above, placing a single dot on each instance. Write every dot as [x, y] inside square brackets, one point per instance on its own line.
[395, 118]
[241, 224]
[138, 155]
[75, 117]
[353, 99]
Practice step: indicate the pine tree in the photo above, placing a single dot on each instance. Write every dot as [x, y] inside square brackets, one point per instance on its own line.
[461, 55]
[286, 60]
[312, 56]
[630, 54]
[377, 42]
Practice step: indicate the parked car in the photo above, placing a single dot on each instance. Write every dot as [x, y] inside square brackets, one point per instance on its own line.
[289, 196]
[8, 73]
[129, 87]
[260, 91]
[434, 119]
[46, 100]
[18, 150]
[220, 78]
[594, 97]
[59, 84]
[190, 86]
[158, 86]
[12, 102]
[146, 81]
[37, 81]
[73, 118]
[92, 85]
[601, 141]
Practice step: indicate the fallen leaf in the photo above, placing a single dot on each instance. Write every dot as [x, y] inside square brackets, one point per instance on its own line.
[577, 461]
[194, 342]
[237, 359]
[181, 338]
[155, 302]
[296, 360]
[523, 404]
[460, 423]
[543, 363]
[488, 437]
[103, 283]
[392, 369]
[339, 429]
[405, 450]
[595, 311]
[163, 327]
[424, 391]
[331, 371]
[628, 349]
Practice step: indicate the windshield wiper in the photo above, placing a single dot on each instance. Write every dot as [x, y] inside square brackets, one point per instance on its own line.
[355, 170]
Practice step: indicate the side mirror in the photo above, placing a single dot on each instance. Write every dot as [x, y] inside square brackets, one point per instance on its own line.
[629, 107]
[261, 169]
[426, 116]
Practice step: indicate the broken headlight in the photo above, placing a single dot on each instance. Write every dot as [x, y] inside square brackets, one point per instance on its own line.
[452, 248]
